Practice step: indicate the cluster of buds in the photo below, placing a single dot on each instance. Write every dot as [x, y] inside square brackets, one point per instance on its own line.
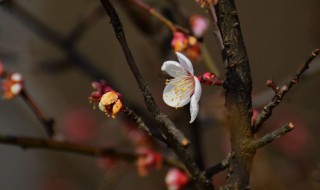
[187, 44]
[109, 101]
[148, 159]
[176, 179]
[12, 84]
[207, 2]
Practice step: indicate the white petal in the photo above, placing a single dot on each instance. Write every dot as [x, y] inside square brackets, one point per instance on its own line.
[197, 89]
[171, 98]
[185, 62]
[173, 68]
[16, 77]
[194, 108]
[102, 107]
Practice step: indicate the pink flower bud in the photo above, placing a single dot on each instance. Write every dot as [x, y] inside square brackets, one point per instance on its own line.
[179, 42]
[1, 68]
[109, 100]
[147, 160]
[255, 114]
[176, 179]
[199, 25]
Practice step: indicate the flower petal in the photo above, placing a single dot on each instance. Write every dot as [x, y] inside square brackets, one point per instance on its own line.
[197, 89]
[185, 62]
[173, 68]
[194, 108]
[174, 98]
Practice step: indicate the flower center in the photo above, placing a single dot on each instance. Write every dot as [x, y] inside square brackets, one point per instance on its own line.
[183, 87]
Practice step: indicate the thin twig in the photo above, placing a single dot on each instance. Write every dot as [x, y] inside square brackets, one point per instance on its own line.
[46, 122]
[36, 143]
[140, 123]
[268, 138]
[219, 167]
[262, 98]
[175, 139]
[91, 17]
[66, 44]
[217, 32]
[173, 27]
[276, 100]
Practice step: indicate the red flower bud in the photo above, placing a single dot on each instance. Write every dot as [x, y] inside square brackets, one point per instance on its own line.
[147, 160]
[176, 179]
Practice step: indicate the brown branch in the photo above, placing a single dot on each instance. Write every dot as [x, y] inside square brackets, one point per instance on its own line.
[173, 27]
[46, 122]
[268, 138]
[91, 17]
[175, 139]
[35, 143]
[217, 32]
[238, 85]
[280, 93]
[65, 44]
[219, 167]
[140, 123]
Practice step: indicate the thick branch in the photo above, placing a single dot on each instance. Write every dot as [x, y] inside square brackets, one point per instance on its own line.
[276, 100]
[268, 138]
[175, 139]
[238, 87]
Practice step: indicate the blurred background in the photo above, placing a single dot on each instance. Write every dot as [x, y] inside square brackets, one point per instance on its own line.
[279, 36]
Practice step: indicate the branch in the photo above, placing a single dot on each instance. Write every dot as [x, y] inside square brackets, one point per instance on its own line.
[46, 122]
[140, 123]
[90, 18]
[151, 11]
[238, 85]
[280, 92]
[217, 33]
[219, 167]
[175, 139]
[65, 44]
[35, 143]
[268, 138]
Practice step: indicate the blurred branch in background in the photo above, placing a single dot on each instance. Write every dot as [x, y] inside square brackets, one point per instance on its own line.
[36, 143]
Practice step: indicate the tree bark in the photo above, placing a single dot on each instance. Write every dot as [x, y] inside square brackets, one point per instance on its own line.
[238, 86]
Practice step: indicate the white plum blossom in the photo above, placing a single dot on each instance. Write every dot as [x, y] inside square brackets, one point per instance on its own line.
[184, 87]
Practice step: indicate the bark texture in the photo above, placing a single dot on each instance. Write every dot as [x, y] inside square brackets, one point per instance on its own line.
[238, 86]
